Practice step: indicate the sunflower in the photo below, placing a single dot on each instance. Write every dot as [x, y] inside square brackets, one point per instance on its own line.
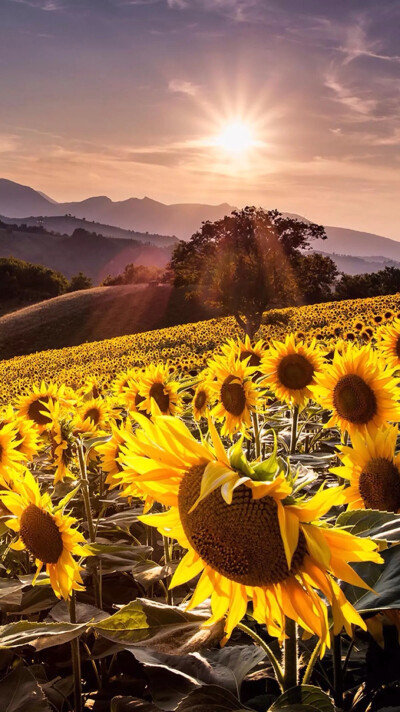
[46, 533]
[11, 459]
[110, 452]
[26, 433]
[389, 343]
[201, 401]
[290, 369]
[245, 350]
[159, 391]
[245, 534]
[358, 390]
[122, 379]
[130, 396]
[235, 392]
[92, 415]
[373, 470]
[32, 405]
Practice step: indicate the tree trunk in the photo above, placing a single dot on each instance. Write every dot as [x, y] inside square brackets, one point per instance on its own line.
[251, 325]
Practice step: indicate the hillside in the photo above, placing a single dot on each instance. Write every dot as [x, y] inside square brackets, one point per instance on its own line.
[140, 214]
[358, 265]
[150, 216]
[93, 254]
[67, 224]
[185, 347]
[93, 315]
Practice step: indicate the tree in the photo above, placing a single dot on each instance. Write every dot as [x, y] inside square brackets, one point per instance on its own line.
[79, 281]
[135, 274]
[316, 277]
[244, 262]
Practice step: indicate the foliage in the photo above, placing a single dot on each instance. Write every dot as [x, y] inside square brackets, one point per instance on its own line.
[135, 274]
[29, 281]
[245, 262]
[79, 281]
[386, 281]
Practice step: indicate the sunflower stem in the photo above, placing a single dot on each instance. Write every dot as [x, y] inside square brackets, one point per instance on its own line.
[256, 429]
[76, 660]
[290, 653]
[167, 560]
[293, 432]
[89, 516]
[310, 666]
[272, 658]
[337, 671]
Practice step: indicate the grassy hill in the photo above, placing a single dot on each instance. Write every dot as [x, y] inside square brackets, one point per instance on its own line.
[93, 315]
[95, 255]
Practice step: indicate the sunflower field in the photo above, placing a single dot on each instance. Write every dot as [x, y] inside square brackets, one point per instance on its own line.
[194, 522]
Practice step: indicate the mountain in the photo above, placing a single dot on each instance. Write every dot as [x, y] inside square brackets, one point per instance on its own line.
[139, 214]
[67, 224]
[359, 265]
[181, 220]
[15, 197]
[93, 254]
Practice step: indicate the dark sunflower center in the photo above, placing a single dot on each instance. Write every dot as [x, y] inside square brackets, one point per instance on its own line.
[1, 451]
[40, 534]
[354, 400]
[254, 359]
[35, 408]
[93, 414]
[242, 540]
[161, 398]
[200, 399]
[397, 348]
[379, 485]
[295, 371]
[233, 396]
[138, 400]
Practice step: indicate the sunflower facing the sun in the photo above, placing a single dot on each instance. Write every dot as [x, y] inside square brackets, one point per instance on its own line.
[32, 406]
[46, 533]
[158, 391]
[359, 391]
[373, 470]
[245, 533]
[230, 382]
[290, 369]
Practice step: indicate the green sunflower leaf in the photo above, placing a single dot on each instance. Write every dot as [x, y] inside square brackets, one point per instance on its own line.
[303, 698]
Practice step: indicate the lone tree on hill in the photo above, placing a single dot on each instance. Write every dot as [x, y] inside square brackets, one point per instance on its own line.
[245, 263]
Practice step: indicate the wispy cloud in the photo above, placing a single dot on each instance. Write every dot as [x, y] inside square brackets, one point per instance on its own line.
[46, 5]
[345, 96]
[8, 143]
[238, 10]
[359, 44]
[181, 86]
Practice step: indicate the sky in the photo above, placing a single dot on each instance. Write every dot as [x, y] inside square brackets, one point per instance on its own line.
[278, 103]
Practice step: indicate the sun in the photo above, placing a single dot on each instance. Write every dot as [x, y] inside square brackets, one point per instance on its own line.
[236, 138]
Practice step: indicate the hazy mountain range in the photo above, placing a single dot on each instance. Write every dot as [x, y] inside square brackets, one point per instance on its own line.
[146, 220]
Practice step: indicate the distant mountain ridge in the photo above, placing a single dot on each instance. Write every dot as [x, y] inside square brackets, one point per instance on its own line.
[67, 224]
[180, 220]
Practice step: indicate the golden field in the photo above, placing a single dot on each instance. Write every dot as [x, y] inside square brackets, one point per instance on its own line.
[187, 347]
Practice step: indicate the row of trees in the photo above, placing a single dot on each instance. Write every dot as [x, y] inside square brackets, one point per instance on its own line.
[31, 282]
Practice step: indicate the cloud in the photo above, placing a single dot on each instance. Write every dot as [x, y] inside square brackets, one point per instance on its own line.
[46, 5]
[8, 143]
[344, 95]
[238, 10]
[358, 44]
[180, 86]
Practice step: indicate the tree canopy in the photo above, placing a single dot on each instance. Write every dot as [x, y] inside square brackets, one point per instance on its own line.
[245, 262]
